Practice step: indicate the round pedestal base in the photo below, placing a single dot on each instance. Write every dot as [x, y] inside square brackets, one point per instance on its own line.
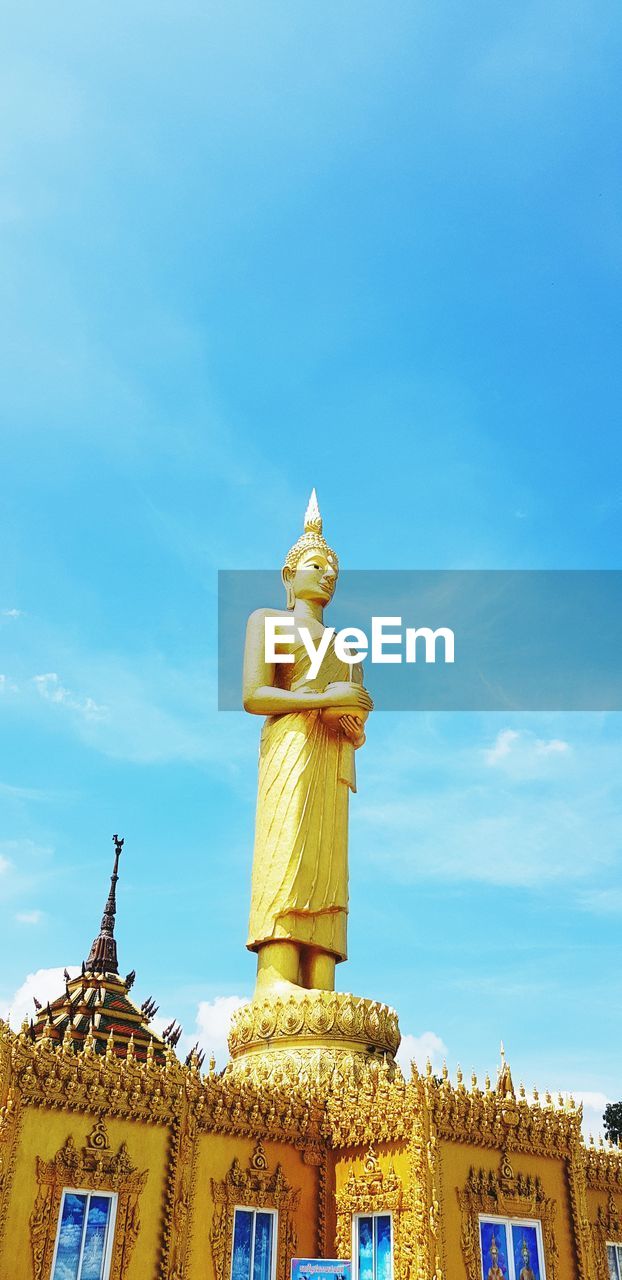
[277, 1037]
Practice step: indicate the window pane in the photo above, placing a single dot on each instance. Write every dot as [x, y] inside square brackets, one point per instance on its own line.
[611, 1259]
[70, 1237]
[95, 1238]
[382, 1230]
[242, 1238]
[494, 1251]
[366, 1249]
[525, 1248]
[262, 1261]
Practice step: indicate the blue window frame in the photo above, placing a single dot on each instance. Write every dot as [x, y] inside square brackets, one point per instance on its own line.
[254, 1244]
[373, 1246]
[84, 1238]
[511, 1249]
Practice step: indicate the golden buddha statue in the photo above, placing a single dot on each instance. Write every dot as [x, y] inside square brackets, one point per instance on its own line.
[299, 900]
[526, 1271]
[494, 1270]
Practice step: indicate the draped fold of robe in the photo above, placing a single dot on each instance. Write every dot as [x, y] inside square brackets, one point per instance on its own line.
[300, 860]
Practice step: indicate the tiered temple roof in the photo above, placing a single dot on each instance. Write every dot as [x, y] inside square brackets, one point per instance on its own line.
[98, 1001]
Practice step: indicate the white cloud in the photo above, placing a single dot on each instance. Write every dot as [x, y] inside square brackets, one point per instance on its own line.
[34, 916]
[502, 747]
[522, 754]
[427, 1045]
[212, 1025]
[50, 689]
[211, 1028]
[4, 865]
[45, 984]
[12, 613]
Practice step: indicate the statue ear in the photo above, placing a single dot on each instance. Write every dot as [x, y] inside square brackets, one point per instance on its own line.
[287, 575]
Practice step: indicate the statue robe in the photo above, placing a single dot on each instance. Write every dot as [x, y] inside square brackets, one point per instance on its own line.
[300, 860]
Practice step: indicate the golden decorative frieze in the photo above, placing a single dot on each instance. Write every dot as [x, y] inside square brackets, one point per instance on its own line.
[254, 1188]
[315, 1019]
[504, 1194]
[487, 1118]
[92, 1168]
[603, 1167]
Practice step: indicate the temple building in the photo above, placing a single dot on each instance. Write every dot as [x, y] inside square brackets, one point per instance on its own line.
[118, 1161]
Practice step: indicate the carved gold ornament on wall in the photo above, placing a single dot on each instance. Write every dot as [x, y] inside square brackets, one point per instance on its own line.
[371, 1191]
[253, 1188]
[606, 1230]
[93, 1168]
[505, 1195]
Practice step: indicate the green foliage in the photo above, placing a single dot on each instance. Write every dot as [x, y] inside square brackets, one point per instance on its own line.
[612, 1117]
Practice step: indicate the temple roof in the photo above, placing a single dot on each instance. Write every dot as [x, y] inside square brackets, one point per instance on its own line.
[98, 1001]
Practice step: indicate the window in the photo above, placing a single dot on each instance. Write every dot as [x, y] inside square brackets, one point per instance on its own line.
[373, 1246]
[84, 1240]
[614, 1258]
[254, 1240]
[511, 1249]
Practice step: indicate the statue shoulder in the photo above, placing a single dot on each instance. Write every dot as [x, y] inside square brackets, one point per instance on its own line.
[258, 616]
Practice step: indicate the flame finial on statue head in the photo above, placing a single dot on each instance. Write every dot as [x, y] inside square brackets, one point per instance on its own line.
[312, 538]
[313, 518]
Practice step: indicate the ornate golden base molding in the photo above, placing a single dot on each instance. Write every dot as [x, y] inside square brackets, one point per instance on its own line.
[319, 1029]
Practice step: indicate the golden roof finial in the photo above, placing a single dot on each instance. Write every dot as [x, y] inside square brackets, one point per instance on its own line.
[505, 1084]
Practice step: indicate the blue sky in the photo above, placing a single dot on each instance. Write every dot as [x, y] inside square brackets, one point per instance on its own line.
[251, 249]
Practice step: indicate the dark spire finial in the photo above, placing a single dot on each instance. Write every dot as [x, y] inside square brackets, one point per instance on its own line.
[103, 953]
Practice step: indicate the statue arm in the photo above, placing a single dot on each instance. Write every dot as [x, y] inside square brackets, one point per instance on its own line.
[262, 697]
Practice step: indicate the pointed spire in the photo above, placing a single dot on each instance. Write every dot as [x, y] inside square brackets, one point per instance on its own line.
[313, 519]
[103, 953]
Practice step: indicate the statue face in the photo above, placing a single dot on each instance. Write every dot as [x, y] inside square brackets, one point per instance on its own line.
[314, 577]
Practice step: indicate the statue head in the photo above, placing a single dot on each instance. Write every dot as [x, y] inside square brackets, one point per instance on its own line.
[525, 1251]
[311, 567]
[494, 1249]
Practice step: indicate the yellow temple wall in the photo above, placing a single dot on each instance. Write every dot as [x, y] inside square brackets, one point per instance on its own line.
[43, 1133]
[456, 1158]
[215, 1155]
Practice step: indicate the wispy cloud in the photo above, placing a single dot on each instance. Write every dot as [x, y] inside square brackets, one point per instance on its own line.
[144, 710]
[603, 902]
[522, 811]
[522, 753]
[34, 916]
[51, 690]
[12, 613]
